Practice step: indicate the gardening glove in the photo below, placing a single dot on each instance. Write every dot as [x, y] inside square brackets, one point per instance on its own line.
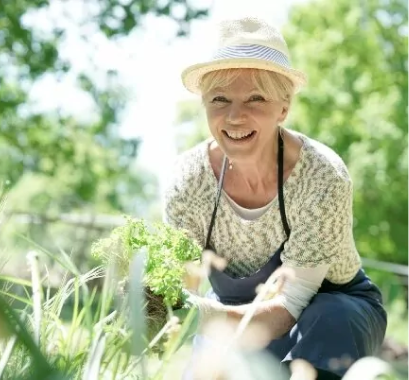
[205, 306]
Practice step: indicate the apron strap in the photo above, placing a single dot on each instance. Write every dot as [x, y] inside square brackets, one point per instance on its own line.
[280, 183]
[219, 192]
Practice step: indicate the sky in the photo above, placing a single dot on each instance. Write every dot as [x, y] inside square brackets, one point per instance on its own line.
[149, 62]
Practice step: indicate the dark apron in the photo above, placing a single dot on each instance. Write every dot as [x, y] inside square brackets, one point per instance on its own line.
[342, 322]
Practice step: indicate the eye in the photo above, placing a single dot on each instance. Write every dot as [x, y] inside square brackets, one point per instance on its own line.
[257, 98]
[219, 99]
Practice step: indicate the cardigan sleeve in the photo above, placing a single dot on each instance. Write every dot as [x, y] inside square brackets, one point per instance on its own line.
[321, 231]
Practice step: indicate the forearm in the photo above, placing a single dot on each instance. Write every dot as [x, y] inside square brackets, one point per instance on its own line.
[271, 314]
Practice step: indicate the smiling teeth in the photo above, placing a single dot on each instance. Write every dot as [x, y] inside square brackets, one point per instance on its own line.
[238, 135]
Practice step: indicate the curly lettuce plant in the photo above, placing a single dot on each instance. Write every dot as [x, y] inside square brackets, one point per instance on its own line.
[167, 250]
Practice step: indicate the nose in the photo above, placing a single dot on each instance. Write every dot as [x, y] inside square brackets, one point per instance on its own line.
[235, 115]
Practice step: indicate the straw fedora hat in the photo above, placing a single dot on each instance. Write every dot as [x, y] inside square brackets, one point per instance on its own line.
[246, 43]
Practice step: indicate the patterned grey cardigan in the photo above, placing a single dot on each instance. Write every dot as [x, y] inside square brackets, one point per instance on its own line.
[318, 201]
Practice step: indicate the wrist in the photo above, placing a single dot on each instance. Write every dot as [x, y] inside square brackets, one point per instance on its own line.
[237, 310]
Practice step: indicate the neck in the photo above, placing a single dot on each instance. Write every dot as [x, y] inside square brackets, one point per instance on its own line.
[257, 174]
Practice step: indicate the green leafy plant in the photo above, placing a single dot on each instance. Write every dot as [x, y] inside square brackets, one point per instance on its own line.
[167, 249]
[103, 338]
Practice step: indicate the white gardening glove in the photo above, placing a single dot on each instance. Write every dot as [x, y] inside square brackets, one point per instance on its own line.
[206, 306]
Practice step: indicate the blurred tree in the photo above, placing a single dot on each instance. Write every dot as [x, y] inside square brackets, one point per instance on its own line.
[355, 55]
[53, 162]
[191, 125]
[117, 17]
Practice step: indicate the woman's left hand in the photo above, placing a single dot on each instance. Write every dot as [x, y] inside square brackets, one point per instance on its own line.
[205, 305]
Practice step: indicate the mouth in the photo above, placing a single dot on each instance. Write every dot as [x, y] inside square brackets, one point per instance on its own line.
[239, 136]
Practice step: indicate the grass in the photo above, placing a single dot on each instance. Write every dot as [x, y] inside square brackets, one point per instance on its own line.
[94, 341]
[103, 336]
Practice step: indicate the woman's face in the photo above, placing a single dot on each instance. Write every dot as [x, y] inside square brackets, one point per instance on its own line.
[242, 121]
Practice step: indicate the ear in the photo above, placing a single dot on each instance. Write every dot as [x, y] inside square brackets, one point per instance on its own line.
[284, 113]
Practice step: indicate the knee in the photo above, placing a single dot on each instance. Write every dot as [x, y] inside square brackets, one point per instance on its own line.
[329, 307]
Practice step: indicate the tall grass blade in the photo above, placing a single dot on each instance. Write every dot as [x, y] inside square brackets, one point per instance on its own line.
[93, 365]
[16, 298]
[32, 258]
[41, 367]
[5, 356]
[183, 334]
[15, 280]
[56, 303]
[108, 292]
[137, 306]
[63, 259]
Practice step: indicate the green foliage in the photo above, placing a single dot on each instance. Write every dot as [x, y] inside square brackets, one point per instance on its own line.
[118, 18]
[95, 341]
[355, 55]
[60, 349]
[53, 162]
[98, 338]
[168, 250]
[30, 53]
[191, 125]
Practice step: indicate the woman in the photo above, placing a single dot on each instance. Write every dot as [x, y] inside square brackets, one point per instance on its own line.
[283, 200]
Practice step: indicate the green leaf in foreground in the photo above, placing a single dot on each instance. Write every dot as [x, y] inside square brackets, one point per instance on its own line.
[167, 250]
[41, 367]
[137, 307]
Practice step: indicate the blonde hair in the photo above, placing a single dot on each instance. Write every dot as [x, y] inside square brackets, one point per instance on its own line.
[272, 86]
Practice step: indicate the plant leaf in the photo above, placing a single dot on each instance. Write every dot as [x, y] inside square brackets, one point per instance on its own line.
[93, 365]
[137, 305]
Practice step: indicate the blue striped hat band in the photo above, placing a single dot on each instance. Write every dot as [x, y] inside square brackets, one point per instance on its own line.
[253, 51]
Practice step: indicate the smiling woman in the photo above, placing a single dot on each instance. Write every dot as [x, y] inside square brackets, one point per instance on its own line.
[244, 111]
[286, 201]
